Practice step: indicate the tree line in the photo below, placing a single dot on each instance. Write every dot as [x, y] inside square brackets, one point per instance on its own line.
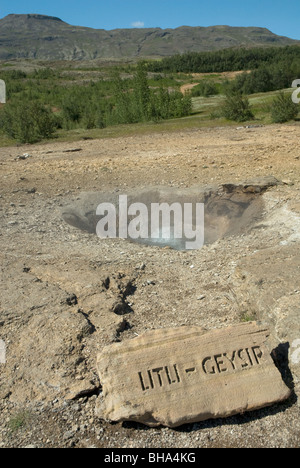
[41, 102]
[39, 105]
[229, 60]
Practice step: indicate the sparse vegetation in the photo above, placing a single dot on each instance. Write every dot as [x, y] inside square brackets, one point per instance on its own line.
[237, 108]
[27, 121]
[283, 108]
[248, 316]
[136, 102]
[205, 88]
[56, 103]
[67, 101]
[18, 421]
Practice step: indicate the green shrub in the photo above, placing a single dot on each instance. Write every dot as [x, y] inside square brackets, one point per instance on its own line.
[45, 74]
[19, 420]
[283, 108]
[27, 122]
[206, 89]
[236, 107]
[93, 118]
[88, 104]
[136, 102]
[72, 108]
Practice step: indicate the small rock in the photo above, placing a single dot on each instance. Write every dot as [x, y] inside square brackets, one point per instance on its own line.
[151, 282]
[23, 157]
[68, 435]
[72, 300]
[288, 182]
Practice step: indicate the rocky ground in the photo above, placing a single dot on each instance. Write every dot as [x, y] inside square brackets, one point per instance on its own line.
[65, 293]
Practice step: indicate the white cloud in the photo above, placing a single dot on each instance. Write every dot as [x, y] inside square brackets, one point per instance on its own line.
[138, 24]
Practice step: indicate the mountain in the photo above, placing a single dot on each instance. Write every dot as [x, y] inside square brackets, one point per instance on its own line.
[48, 38]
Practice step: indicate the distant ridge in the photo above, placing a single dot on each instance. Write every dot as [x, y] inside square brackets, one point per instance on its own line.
[33, 16]
[35, 36]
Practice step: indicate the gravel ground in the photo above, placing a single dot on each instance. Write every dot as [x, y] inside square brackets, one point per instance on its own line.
[65, 294]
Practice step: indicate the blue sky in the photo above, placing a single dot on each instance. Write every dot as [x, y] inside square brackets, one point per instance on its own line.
[281, 17]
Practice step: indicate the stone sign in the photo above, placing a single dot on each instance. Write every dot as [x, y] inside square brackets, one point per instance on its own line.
[176, 376]
[2, 92]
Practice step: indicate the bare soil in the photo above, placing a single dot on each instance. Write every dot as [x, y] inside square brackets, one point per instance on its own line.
[65, 293]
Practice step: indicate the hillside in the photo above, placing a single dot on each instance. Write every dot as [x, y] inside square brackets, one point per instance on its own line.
[48, 38]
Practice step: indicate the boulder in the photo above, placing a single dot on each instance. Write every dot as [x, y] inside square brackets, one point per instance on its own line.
[183, 375]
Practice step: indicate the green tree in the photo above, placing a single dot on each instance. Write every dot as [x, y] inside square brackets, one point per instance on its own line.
[136, 102]
[283, 108]
[142, 93]
[124, 110]
[205, 88]
[27, 122]
[72, 108]
[236, 107]
[258, 81]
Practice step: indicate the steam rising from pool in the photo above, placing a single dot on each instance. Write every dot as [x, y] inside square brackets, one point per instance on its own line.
[229, 209]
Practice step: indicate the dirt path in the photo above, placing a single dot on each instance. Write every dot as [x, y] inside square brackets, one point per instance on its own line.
[187, 87]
